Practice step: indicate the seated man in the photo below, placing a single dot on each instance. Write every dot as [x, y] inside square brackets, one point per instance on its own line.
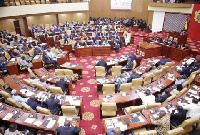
[192, 108]
[116, 45]
[176, 90]
[118, 81]
[63, 84]
[52, 104]
[48, 60]
[18, 98]
[163, 60]
[163, 123]
[161, 98]
[177, 117]
[33, 103]
[102, 63]
[128, 66]
[132, 56]
[24, 63]
[68, 129]
[116, 131]
[3, 62]
[133, 75]
[147, 97]
[51, 55]
[12, 130]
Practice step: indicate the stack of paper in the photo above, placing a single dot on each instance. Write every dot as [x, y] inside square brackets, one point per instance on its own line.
[29, 120]
[37, 123]
[8, 116]
[51, 123]
[61, 120]
[109, 124]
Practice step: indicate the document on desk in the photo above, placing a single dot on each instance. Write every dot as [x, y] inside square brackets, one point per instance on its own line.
[156, 89]
[105, 99]
[193, 91]
[29, 120]
[37, 123]
[141, 119]
[8, 116]
[51, 123]
[109, 124]
[61, 120]
[12, 59]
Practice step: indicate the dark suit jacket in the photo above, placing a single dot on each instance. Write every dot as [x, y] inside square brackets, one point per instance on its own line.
[53, 105]
[178, 118]
[162, 98]
[102, 63]
[46, 59]
[68, 130]
[63, 85]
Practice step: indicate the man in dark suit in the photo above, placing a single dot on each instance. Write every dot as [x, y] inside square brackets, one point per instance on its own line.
[163, 60]
[48, 60]
[133, 75]
[161, 98]
[63, 84]
[179, 117]
[52, 105]
[132, 56]
[68, 129]
[33, 103]
[102, 63]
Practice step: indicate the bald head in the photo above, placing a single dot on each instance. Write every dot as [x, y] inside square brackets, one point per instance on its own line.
[117, 131]
[67, 123]
[32, 97]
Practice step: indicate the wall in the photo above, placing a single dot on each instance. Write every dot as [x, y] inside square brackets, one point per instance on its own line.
[101, 8]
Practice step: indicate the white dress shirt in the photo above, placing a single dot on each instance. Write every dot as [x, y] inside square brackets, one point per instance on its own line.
[192, 109]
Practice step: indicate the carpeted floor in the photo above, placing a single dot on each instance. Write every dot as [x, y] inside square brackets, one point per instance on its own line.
[91, 124]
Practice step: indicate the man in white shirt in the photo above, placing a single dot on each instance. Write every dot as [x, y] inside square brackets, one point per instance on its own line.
[51, 55]
[146, 97]
[24, 63]
[193, 108]
[18, 98]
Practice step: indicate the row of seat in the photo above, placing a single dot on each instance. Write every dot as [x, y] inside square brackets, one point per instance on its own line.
[25, 2]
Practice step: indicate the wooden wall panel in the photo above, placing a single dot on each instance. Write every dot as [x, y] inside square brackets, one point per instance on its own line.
[41, 19]
[150, 18]
[7, 24]
[101, 8]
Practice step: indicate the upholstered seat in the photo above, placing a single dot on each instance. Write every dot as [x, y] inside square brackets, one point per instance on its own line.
[147, 79]
[40, 87]
[188, 124]
[100, 71]
[27, 107]
[69, 111]
[169, 99]
[125, 87]
[152, 105]
[109, 109]
[5, 95]
[133, 109]
[136, 83]
[13, 103]
[134, 64]
[116, 70]
[108, 89]
[56, 90]
[176, 131]
[43, 110]
[148, 132]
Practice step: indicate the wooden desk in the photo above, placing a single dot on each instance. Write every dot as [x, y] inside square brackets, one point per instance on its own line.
[148, 51]
[135, 28]
[50, 41]
[13, 68]
[63, 58]
[197, 80]
[23, 115]
[49, 77]
[75, 68]
[132, 125]
[42, 38]
[37, 63]
[92, 51]
[15, 83]
[68, 48]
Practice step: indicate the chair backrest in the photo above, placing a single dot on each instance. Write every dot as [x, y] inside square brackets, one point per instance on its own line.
[5, 94]
[28, 82]
[136, 83]
[56, 90]
[43, 110]
[108, 88]
[156, 75]
[125, 87]
[182, 92]
[31, 72]
[13, 103]
[59, 72]
[169, 99]
[7, 55]
[176, 131]
[69, 111]
[62, 42]
[152, 105]
[188, 124]
[170, 64]
[68, 73]
[109, 109]
[116, 70]
[149, 132]
[133, 109]
[53, 50]
[100, 71]
[147, 79]
[12, 43]
[27, 107]
[31, 52]
[134, 64]
[40, 87]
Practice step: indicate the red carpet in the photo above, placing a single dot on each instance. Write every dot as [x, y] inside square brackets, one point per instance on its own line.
[91, 123]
